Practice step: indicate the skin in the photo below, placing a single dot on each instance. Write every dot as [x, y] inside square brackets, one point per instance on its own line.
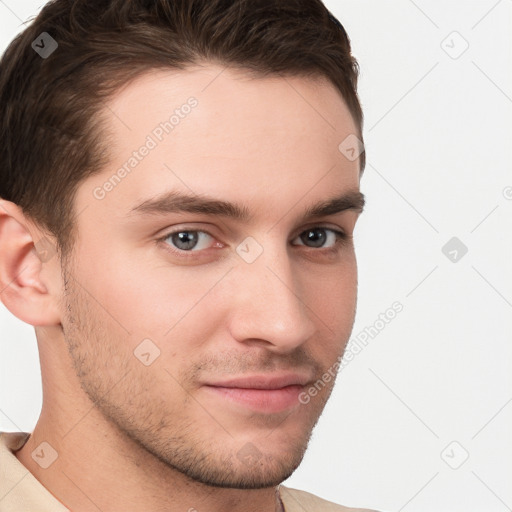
[135, 437]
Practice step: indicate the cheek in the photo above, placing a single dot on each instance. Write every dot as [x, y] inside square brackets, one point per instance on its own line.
[332, 292]
[148, 296]
[111, 363]
[332, 298]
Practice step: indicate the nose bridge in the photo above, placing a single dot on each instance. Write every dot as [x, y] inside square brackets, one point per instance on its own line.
[268, 303]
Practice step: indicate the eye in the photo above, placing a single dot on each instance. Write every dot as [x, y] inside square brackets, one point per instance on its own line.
[318, 236]
[187, 240]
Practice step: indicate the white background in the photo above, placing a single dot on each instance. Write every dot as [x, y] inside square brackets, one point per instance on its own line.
[438, 142]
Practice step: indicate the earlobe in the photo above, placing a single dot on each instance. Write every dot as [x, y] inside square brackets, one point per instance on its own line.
[28, 269]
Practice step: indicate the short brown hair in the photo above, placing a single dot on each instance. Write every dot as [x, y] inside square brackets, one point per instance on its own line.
[51, 131]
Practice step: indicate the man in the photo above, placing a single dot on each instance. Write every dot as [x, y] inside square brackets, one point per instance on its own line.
[179, 190]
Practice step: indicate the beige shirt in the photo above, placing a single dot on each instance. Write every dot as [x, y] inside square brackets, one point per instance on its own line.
[20, 491]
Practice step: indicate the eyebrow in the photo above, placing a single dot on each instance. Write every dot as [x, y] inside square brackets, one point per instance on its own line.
[177, 202]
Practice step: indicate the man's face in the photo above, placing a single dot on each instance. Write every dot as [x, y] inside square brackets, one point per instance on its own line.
[197, 345]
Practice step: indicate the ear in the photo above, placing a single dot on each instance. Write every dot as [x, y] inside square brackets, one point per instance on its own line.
[30, 282]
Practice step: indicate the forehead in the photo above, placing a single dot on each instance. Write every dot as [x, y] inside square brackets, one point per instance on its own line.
[215, 130]
[233, 88]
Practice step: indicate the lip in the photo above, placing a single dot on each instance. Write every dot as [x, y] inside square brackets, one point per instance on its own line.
[262, 381]
[263, 393]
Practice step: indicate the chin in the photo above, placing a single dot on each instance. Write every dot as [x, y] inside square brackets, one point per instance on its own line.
[259, 474]
[247, 465]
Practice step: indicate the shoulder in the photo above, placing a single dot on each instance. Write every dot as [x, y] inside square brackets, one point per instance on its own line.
[19, 489]
[302, 501]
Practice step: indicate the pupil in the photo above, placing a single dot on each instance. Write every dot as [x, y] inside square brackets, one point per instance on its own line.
[318, 241]
[185, 239]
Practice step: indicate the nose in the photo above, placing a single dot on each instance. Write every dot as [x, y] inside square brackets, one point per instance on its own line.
[269, 306]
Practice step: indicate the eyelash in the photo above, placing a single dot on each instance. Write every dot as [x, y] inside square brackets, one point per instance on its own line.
[341, 240]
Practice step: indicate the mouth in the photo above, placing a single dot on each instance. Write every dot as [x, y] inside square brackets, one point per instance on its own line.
[261, 393]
